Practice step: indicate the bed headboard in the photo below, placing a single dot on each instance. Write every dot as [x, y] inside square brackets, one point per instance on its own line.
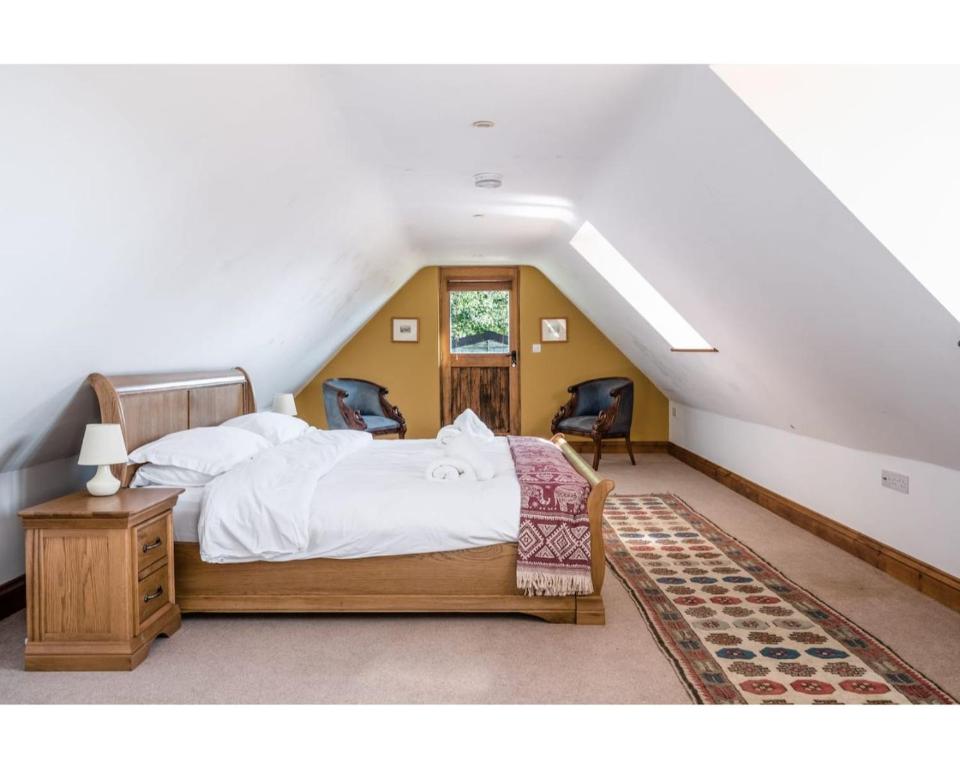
[149, 406]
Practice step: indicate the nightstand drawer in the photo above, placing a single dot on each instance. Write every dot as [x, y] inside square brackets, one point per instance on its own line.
[153, 593]
[151, 543]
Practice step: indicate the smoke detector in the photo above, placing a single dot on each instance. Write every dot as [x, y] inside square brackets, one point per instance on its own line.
[483, 123]
[487, 180]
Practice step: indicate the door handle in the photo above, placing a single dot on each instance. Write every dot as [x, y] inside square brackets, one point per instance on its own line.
[513, 359]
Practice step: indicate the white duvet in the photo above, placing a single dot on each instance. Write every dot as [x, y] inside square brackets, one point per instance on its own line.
[340, 494]
[260, 509]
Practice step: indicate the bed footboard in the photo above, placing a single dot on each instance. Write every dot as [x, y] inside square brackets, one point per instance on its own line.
[590, 607]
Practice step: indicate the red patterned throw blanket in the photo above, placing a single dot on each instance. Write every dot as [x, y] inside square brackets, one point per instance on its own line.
[553, 548]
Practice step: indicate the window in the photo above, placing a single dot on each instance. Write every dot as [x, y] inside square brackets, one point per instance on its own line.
[643, 297]
[479, 322]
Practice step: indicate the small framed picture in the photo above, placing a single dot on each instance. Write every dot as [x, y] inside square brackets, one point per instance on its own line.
[553, 329]
[405, 329]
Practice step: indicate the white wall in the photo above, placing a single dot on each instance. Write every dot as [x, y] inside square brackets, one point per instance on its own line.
[841, 483]
[23, 488]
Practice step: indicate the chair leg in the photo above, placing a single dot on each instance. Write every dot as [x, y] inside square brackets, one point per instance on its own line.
[597, 449]
[630, 451]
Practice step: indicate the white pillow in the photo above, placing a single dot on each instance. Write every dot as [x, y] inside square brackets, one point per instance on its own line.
[211, 450]
[275, 427]
[158, 474]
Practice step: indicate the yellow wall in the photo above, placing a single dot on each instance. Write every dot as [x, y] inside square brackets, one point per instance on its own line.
[588, 354]
[411, 371]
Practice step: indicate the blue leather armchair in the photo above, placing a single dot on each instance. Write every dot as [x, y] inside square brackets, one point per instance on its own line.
[600, 409]
[361, 404]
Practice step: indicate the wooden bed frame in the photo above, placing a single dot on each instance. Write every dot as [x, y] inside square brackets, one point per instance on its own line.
[480, 580]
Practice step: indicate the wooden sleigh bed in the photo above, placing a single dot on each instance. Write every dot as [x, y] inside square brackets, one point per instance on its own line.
[480, 580]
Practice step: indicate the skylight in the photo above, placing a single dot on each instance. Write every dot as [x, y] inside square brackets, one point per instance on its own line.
[643, 297]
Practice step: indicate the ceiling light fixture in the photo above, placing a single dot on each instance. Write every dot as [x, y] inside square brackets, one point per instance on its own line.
[487, 180]
[483, 123]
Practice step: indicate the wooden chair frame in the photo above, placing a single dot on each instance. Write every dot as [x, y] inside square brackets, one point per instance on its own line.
[600, 429]
[354, 419]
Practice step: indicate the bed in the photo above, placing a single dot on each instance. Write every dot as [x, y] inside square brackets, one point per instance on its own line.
[480, 579]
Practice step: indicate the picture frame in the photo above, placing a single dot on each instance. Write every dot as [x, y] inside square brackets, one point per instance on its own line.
[553, 330]
[405, 330]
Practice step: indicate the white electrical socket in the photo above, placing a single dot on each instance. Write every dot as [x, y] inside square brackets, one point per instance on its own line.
[536, 347]
[674, 411]
[895, 481]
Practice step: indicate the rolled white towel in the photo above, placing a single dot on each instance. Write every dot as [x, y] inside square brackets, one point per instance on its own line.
[470, 424]
[467, 448]
[448, 433]
[449, 468]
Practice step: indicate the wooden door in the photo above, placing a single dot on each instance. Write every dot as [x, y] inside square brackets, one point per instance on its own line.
[479, 366]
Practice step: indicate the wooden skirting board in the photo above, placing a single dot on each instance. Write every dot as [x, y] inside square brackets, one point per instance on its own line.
[941, 586]
[618, 445]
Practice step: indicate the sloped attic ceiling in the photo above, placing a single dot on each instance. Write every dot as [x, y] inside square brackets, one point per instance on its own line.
[821, 330]
[884, 140]
[172, 218]
[175, 218]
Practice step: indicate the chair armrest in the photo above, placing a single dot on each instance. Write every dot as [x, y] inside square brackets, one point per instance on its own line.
[351, 417]
[391, 411]
[566, 411]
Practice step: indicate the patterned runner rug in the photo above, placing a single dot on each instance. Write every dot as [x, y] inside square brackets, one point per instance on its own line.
[735, 628]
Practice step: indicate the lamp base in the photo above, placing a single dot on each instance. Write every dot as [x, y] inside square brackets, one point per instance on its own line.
[103, 483]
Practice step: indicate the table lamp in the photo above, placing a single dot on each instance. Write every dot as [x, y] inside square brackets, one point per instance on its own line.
[285, 404]
[102, 446]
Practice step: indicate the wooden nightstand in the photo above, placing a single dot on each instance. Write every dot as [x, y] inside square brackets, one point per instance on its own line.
[99, 579]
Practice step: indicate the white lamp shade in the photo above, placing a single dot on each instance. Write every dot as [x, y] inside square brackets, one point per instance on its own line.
[285, 404]
[102, 444]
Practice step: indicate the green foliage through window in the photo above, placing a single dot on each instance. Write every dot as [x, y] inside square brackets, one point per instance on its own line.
[479, 322]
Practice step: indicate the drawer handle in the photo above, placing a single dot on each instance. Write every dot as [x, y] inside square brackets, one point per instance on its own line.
[157, 543]
[153, 595]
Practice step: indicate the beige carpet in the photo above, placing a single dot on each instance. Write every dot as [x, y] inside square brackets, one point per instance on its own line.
[435, 659]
